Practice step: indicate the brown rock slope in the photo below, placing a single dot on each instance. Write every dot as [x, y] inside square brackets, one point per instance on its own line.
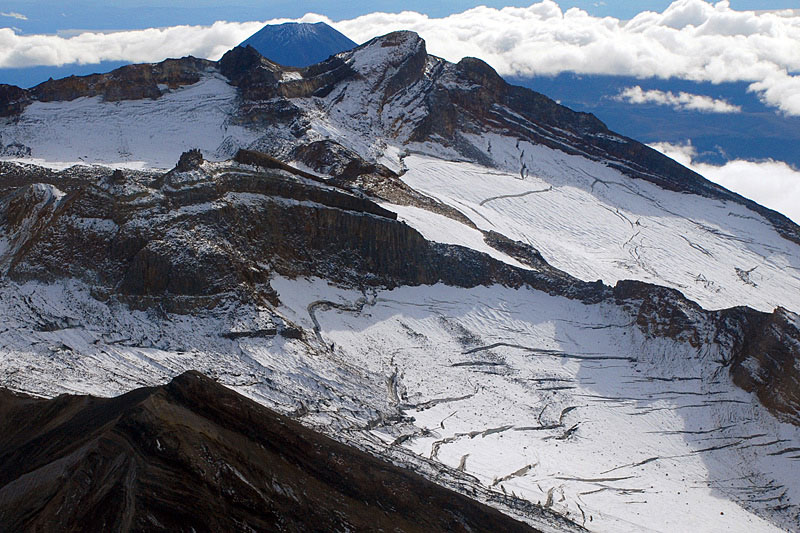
[195, 456]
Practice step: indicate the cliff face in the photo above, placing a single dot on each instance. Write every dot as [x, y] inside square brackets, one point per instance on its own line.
[131, 82]
[195, 456]
[764, 359]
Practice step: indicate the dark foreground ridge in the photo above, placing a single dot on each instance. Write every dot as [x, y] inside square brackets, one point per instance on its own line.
[195, 456]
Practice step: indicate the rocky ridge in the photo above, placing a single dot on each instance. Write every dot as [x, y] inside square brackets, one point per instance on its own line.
[450, 103]
[194, 456]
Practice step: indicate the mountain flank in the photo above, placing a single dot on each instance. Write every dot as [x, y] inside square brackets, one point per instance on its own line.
[193, 455]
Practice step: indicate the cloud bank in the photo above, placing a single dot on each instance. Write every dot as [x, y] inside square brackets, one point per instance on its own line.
[682, 101]
[773, 184]
[139, 46]
[691, 39]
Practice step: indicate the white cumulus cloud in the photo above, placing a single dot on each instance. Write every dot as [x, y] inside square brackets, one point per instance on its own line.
[773, 184]
[691, 39]
[149, 45]
[13, 15]
[682, 101]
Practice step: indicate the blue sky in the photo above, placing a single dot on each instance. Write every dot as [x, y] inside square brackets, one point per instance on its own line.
[51, 17]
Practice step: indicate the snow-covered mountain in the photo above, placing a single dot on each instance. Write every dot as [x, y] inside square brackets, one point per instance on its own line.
[444, 269]
[298, 44]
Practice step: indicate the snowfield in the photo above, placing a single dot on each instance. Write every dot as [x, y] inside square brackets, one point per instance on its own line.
[596, 223]
[131, 134]
[530, 395]
[567, 405]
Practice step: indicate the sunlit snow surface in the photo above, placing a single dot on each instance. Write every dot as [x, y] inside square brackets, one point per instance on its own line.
[538, 396]
[595, 223]
[133, 133]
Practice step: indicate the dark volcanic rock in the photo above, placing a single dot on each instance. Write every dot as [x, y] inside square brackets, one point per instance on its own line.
[12, 100]
[191, 160]
[195, 456]
[256, 76]
[765, 357]
[131, 82]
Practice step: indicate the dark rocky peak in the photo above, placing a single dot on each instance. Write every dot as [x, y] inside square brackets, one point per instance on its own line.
[191, 160]
[13, 100]
[193, 455]
[260, 79]
[246, 67]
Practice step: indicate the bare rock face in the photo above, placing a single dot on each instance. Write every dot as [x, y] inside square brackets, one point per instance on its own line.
[12, 100]
[191, 160]
[195, 456]
[765, 358]
[131, 82]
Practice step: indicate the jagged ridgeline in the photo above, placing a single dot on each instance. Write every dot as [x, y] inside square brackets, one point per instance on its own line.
[195, 455]
[422, 260]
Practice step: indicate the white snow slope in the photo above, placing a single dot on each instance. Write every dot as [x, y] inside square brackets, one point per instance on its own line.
[131, 134]
[535, 396]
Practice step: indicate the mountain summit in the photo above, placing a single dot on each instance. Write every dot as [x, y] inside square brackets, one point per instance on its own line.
[298, 44]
